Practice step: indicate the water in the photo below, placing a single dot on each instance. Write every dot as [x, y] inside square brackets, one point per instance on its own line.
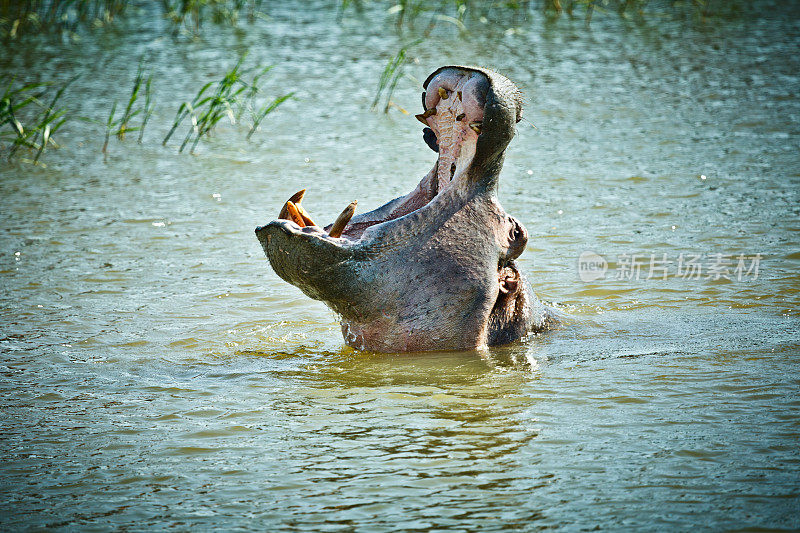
[157, 374]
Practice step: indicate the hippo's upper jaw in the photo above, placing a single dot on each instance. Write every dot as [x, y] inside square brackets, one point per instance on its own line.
[432, 270]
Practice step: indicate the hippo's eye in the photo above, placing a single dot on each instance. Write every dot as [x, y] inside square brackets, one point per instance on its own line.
[516, 233]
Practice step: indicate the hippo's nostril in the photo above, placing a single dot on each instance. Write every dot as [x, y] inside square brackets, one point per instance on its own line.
[430, 139]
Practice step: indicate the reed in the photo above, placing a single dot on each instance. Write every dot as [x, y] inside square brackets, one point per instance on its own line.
[110, 123]
[191, 14]
[423, 16]
[391, 74]
[122, 125]
[130, 110]
[232, 96]
[148, 106]
[266, 110]
[207, 112]
[27, 120]
[18, 17]
[407, 13]
[253, 90]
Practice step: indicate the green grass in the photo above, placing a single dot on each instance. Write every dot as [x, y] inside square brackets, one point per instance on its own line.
[191, 14]
[124, 124]
[232, 96]
[30, 116]
[18, 17]
[421, 17]
[391, 74]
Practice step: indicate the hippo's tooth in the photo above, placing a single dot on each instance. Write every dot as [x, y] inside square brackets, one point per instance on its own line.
[476, 126]
[429, 113]
[304, 214]
[294, 214]
[343, 219]
[461, 117]
[443, 93]
[295, 199]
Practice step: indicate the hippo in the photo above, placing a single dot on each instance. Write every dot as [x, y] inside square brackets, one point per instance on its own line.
[434, 269]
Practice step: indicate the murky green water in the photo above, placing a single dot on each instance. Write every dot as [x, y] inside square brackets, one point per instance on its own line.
[157, 374]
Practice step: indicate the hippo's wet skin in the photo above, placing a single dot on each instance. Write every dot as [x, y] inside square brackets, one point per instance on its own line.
[432, 270]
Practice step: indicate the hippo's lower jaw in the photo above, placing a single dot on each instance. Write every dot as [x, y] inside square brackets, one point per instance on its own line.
[432, 270]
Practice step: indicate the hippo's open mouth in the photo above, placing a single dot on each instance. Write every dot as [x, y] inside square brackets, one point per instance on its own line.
[433, 269]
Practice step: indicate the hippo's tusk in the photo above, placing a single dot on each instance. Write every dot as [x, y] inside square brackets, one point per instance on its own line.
[476, 127]
[294, 214]
[295, 199]
[343, 219]
[461, 117]
[443, 93]
[303, 215]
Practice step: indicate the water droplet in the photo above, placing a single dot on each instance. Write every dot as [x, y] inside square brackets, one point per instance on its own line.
[530, 172]
[159, 224]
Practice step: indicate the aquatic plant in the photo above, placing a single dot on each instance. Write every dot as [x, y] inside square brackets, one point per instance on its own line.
[406, 13]
[391, 74]
[231, 98]
[130, 110]
[122, 125]
[266, 110]
[29, 16]
[25, 16]
[148, 107]
[192, 13]
[42, 119]
[460, 13]
[110, 124]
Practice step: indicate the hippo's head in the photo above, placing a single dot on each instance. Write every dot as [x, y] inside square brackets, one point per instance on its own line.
[434, 269]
